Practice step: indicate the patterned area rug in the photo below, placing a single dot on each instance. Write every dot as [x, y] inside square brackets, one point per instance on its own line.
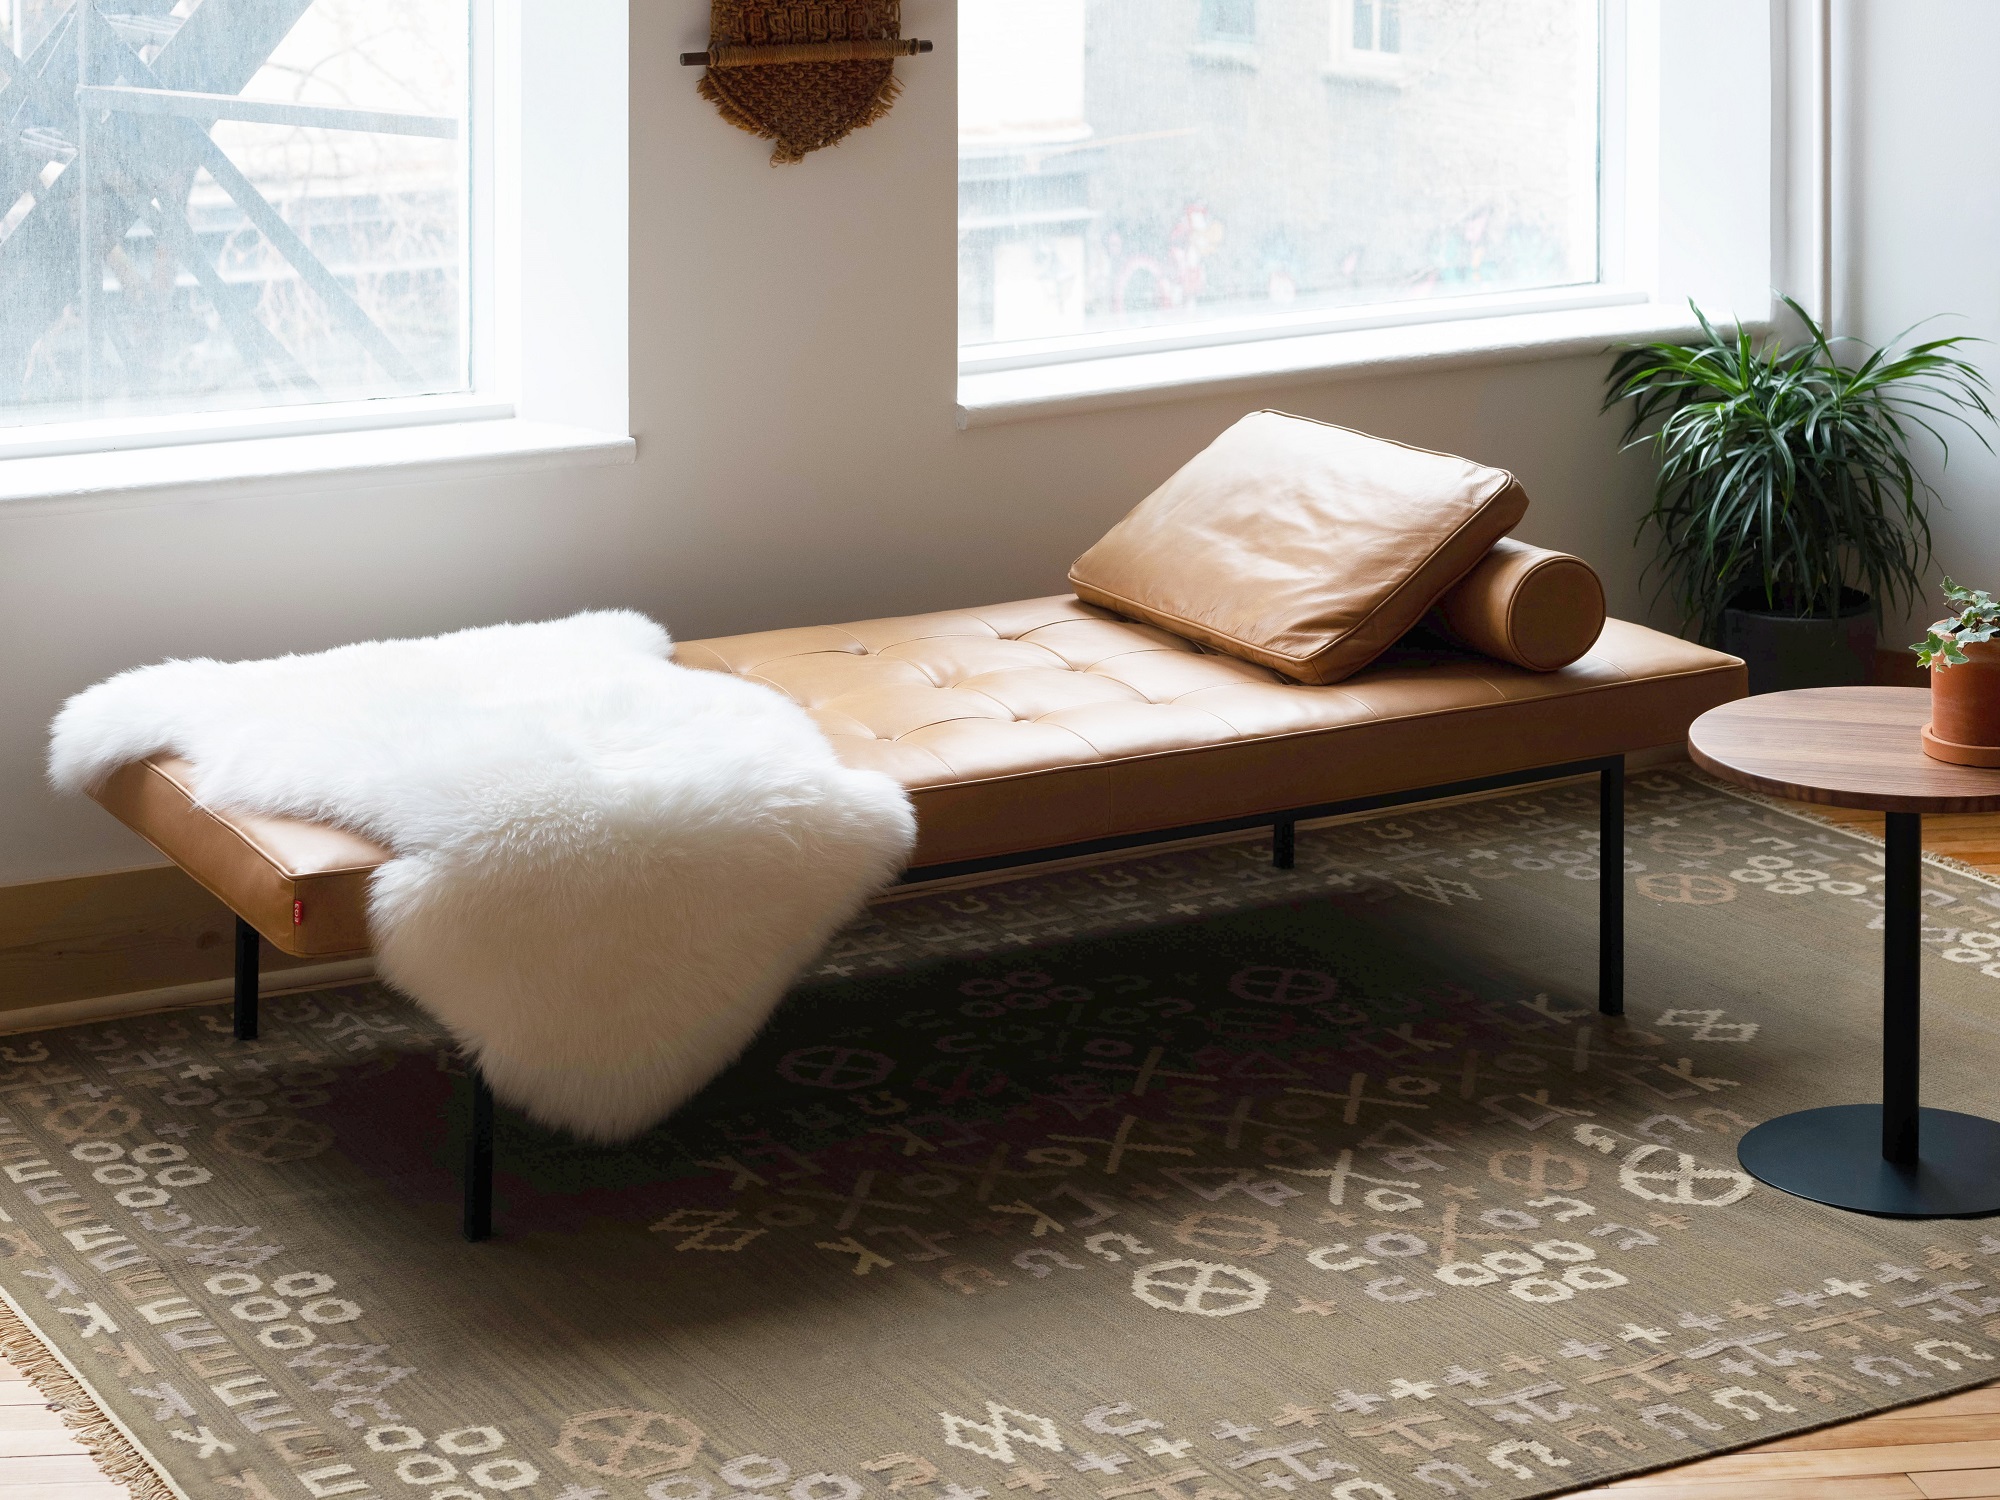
[1179, 1178]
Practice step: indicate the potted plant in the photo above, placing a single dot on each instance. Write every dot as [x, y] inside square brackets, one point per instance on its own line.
[1964, 663]
[1788, 509]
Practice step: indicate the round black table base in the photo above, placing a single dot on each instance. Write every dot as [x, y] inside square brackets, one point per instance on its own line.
[1834, 1156]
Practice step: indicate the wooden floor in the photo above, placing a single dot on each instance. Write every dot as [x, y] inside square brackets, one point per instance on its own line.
[39, 1460]
[1942, 1450]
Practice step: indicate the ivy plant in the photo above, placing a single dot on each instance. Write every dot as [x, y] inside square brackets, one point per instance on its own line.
[1976, 618]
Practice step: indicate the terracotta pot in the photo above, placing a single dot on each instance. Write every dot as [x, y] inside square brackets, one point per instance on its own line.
[1965, 709]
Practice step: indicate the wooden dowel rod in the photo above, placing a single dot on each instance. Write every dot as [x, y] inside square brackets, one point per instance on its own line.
[797, 52]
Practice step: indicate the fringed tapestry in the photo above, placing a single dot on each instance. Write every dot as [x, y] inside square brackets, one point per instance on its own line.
[803, 73]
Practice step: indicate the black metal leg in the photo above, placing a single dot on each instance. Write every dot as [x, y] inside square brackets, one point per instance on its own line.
[1284, 843]
[479, 1160]
[246, 981]
[1902, 1001]
[1893, 1158]
[1611, 889]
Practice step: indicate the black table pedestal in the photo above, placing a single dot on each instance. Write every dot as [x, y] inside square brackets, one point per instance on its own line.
[1834, 1156]
[1892, 1158]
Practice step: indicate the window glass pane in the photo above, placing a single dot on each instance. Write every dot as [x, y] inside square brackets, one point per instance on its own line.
[1229, 18]
[313, 251]
[1117, 171]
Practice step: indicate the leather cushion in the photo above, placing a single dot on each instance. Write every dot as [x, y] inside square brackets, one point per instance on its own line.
[1526, 605]
[1050, 721]
[1299, 546]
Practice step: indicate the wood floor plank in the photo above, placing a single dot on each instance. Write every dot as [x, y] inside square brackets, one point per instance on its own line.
[43, 1443]
[40, 1459]
[1671, 1486]
[1965, 1403]
[1959, 1484]
[59, 1469]
[34, 1418]
[1835, 1463]
[1916, 1426]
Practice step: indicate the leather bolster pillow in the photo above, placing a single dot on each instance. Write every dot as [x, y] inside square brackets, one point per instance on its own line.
[1525, 605]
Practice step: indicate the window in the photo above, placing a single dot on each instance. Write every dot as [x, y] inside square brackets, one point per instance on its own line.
[220, 205]
[1117, 193]
[1377, 25]
[1229, 20]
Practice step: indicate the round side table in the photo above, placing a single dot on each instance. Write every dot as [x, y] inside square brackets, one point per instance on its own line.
[1860, 747]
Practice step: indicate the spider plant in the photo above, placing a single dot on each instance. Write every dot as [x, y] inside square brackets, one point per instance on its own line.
[1785, 475]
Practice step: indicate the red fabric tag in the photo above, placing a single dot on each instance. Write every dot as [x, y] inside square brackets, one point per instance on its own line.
[298, 913]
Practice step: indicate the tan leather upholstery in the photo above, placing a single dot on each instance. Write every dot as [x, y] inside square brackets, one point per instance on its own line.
[1526, 605]
[1299, 546]
[258, 867]
[1048, 722]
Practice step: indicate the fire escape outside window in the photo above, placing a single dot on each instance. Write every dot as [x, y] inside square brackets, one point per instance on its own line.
[216, 205]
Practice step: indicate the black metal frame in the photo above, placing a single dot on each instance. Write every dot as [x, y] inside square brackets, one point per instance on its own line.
[1895, 1159]
[478, 1182]
[1902, 993]
[1609, 770]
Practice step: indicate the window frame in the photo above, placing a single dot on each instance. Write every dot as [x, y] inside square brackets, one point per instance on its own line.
[1699, 151]
[1608, 290]
[545, 375]
[1347, 60]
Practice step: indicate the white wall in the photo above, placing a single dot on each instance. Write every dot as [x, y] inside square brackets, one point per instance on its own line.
[1918, 235]
[792, 393]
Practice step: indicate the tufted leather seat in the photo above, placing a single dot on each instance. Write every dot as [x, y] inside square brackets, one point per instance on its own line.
[1042, 723]
[1050, 721]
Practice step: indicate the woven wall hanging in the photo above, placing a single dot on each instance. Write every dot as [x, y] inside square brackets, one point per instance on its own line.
[803, 73]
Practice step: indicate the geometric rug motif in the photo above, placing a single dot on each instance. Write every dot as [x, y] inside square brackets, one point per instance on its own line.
[1171, 1178]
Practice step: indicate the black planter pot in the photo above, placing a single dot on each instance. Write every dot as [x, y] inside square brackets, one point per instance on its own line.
[1803, 651]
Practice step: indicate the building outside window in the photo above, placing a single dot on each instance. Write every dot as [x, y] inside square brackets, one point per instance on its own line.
[217, 205]
[1117, 180]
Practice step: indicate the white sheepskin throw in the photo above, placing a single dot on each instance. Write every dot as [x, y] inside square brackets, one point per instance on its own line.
[608, 867]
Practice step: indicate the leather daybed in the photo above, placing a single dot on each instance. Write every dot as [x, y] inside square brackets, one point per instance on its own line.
[1239, 654]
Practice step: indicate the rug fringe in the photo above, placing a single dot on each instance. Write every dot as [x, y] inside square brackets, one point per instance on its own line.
[87, 1421]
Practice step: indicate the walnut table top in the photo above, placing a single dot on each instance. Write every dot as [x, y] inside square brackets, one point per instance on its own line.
[1844, 747]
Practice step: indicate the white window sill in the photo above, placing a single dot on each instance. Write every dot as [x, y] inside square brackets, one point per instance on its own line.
[303, 462]
[1220, 52]
[1380, 71]
[990, 397]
